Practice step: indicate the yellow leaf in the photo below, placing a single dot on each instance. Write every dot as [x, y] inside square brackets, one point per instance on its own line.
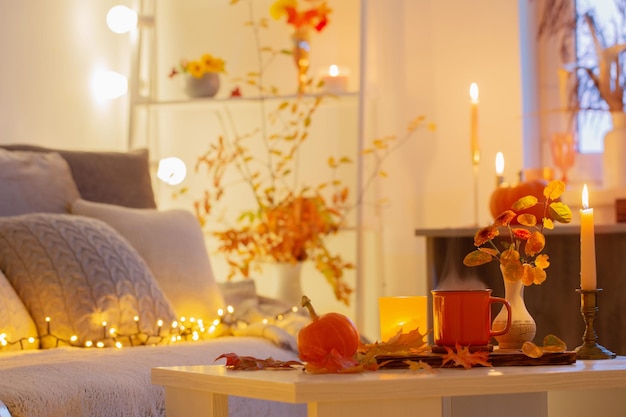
[527, 219]
[510, 255]
[539, 276]
[541, 261]
[554, 189]
[513, 270]
[548, 223]
[560, 212]
[553, 344]
[532, 350]
[529, 275]
[476, 258]
[491, 251]
[535, 243]
[419, 366]
[525, 203]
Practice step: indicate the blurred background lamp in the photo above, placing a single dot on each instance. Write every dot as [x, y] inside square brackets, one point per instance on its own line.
[171, 170]
[109, 85]
[121, 19]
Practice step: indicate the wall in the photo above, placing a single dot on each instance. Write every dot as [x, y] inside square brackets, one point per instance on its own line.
[421, 58]
[424, 56]
[51, 51]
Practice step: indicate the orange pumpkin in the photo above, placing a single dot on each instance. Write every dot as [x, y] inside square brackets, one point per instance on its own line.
[325, 333]
[503, 198]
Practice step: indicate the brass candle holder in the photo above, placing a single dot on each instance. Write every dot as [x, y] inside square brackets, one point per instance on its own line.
[590, 349]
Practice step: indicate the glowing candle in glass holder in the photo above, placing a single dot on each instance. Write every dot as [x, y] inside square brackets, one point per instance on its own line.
[404, 313]
[336, 80]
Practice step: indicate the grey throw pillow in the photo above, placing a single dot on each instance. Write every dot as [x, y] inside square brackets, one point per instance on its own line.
[32, 182]
[121, 178]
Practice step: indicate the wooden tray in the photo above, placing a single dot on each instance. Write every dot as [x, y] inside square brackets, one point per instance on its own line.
[498, 357]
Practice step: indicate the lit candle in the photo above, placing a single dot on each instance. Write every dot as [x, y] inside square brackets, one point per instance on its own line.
[402, 314]
[499, 169]
[336, 81]
[587, 245]
[474, 124]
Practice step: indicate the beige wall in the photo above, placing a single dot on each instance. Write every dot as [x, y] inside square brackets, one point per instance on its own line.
[421, 58]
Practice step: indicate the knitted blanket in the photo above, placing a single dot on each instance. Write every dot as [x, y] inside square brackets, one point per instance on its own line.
[112, 382]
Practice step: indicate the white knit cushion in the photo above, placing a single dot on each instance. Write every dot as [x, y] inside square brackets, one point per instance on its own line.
[32, 182]
[172, 244]
[80, 272]
[16, 325]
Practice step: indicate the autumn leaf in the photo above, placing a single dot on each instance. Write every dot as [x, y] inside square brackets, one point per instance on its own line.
[333, 363]
[553, 344]
[532, 350]
[535, 244]
[527, 219]
[477, 257]
[560, 212]
[417, 366]
[525, 203]
[554, 189]
[250, 363]
[401, 343]
[462, 356]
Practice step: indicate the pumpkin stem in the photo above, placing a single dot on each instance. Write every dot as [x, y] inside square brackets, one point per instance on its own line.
[306, 302]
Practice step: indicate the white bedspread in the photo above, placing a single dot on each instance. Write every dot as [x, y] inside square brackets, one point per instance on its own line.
[76, 382]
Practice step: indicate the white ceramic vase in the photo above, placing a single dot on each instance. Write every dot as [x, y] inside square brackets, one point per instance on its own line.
[206, 86]
[282, 281]
[523, 326]
[613, 166]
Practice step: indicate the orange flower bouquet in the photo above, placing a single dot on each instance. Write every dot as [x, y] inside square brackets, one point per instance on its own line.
[315, 17]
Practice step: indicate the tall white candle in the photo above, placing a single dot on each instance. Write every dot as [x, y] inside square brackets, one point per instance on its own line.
[587, 245]
[499, 169]
[475, 149]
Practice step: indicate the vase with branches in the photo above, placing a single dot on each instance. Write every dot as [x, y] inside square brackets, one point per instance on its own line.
[598, 77]
[288, 220]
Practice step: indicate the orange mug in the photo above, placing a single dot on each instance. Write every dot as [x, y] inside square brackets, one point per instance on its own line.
[464, 317]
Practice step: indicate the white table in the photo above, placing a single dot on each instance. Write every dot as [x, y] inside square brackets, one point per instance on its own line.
[537, 391]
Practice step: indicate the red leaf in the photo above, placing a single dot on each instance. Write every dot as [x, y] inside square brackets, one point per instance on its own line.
[250, 363]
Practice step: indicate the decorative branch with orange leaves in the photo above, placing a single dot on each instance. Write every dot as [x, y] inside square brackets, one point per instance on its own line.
[289, 220]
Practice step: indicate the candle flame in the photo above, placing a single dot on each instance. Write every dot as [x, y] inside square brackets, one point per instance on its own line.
[585, 197]
[333, 70]
[499, 163]
[473, 91]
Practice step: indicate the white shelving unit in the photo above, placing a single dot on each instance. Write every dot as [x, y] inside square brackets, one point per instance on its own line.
[169, 124]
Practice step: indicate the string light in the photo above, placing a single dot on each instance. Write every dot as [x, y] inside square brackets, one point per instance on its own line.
[183, 329]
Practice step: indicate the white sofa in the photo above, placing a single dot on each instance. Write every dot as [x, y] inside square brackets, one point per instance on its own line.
[85, 252]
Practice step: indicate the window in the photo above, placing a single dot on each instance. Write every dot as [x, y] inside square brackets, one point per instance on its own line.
[610, 19]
